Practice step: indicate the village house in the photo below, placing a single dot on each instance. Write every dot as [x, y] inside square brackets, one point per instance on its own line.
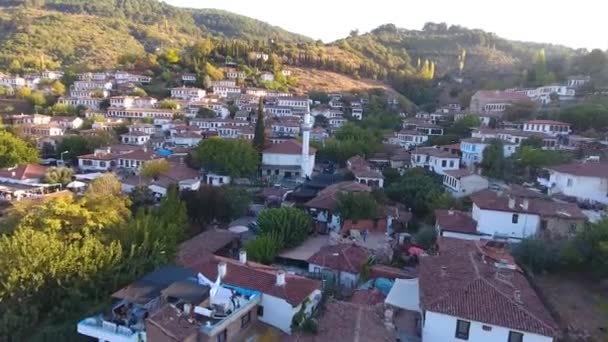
[67, 122]
[514, 218]
[44, 130]
[578, 81]
[550, 127]
[410, 138]
[91, 103]
[356, 110]
[472, 149]
[435, 160]
[134, 160]
[290, 101]
[516, 136]
[421, 126]
[188, 77]
[322, 207]
[133, 101]
[266, 77]
[544, 95]
[135, 138]
[495, 101]
[278, 111]
[289, 126]
[587, 182]
[138, 113]
[466, 280]
[456, 224]
[462, 182]
[364, 173]
[336, 122]
[187, 139]
[99, 161]
[343, 261]
[14, 82]
[285, 160]
[188, 93]
[31, 119]
[282, 295]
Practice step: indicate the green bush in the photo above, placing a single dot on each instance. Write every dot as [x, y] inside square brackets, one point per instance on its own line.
[263, 249]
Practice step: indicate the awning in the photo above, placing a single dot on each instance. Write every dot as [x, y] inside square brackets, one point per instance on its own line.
[76, 185]
[405, 294]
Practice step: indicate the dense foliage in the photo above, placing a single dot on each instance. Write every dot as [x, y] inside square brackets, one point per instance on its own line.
[221, 204]
[356, 206]
[418, 189]
[15, 151]
[231, 157]
[290, 226]
[63, 257]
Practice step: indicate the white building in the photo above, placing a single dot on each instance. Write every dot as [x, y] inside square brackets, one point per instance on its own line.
[138, 113]
[462, 183]
[283, 295]
[292, 101]
[587, 182]
[188, 93]
[411, 138]
[266, 77]
[345, 261]
[89, 102]
[435, 160]
[133, 101]
[472, 149]
[578, 81]
[469, 279]
[550, 127]
[285, 160]
[135, 138]
[98, 161]
[224, 91]
[543, 94]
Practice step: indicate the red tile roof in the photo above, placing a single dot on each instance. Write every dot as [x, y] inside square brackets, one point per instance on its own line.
[369, 225]
[342, 257]
[497, 95]
[99, 156]
[196, 249]
[260, 278]
[589, 169]
[490, 200]
[455, 221]
[22, 172]
[289, 147]
[460, 282]
[327, 198]
[459, 173]
[139, 155]
[548, 122]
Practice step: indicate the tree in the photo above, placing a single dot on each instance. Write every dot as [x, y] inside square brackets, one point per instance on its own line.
[233, 157]
[214, 73]
[141, 197]
[138, 92]
[462, 127]
[290, 226]
[493, 163]
[153, 168]
[23, 92]
[15, 151]
[426, 238]
[212, 203]
[104, 195]
[519, 111]
[416, 189]
[172, 56]
[57, 88]
[205, 112]
[259, 138]
[356, 206]
[321, 121]
[264, 248]
[59, 175]
[78, 145]
[168, 104]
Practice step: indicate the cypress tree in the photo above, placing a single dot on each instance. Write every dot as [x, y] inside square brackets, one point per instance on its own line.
[259, 137]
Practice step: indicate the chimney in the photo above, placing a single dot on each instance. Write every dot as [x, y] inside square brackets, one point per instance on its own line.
[451, 212]
[526, 204]
[187, 308]
[511, 202]
[243, 256]
[444, 271]
[221, 269]
[280, 278]
[517, 297]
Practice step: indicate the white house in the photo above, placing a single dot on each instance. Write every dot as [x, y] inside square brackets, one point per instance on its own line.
[283, 294]
[97, 161]
[543, 94]
[224, 91]
[467, 280]
[549, 127]
[411, 138]
[135, 138]
[472, 149]
[292, 101]
[266, 77]
[435, 160]
[188, 93]
[587, 182]
[285, 160]
[214, 179]
[188, 139]
[578, 81]
[138, 113]
[134, 160]
[462, 183]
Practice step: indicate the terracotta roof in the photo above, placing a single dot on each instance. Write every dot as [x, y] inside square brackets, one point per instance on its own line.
[369, 225]
[342, 257]
[484, 141]
[455, 221]
[588, 169]
[348, 322]
[367, 297]
[180, 172]
[196, 249]
[434, 152]
[260, 278]
[327, 198]
[26, 171]
[289, 147]
[401, 155]
[490, 200]
[99, 156]
[460, 282]
[384, 271]
[139, 155]
[497, 95]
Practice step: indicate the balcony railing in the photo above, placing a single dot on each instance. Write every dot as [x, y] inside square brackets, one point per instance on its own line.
[104, 330]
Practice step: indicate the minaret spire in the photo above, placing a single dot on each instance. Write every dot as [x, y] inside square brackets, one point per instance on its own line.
[306, 126]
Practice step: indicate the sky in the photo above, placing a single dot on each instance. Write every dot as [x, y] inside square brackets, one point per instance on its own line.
[579, 24]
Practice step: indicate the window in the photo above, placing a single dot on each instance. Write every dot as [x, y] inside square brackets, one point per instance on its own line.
[462, 329]
[486, 328]
[515, 218]
[223, 336]
[572, 228]
[570, 182]
[245, 320]
[444, 163]
[515, 336]
[260, 311]
[451, 163]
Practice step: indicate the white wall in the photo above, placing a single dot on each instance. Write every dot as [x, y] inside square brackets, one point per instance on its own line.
[500, 222]
[95, 165]
[583, 188]
[346, 278]
[442, 328]
[471, 184]
[287, 160]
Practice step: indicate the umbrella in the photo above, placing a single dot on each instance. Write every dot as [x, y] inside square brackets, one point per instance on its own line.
[76, 185]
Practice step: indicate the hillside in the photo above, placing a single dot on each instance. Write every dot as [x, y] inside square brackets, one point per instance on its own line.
[321, 80]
